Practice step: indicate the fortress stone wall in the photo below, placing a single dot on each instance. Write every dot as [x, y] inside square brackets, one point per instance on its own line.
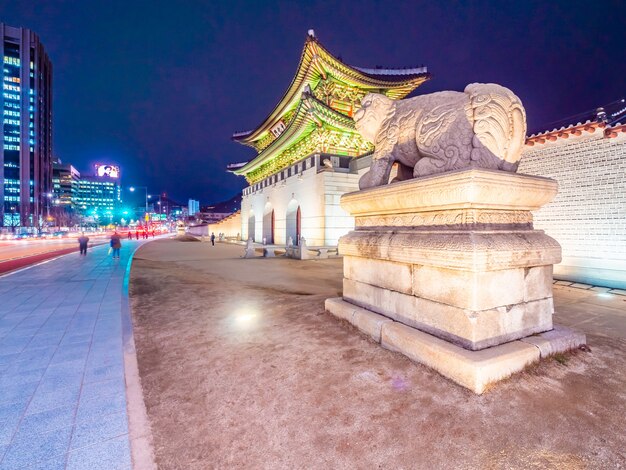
[588, 216]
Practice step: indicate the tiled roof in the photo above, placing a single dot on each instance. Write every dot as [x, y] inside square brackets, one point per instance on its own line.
[315, 63]
[605, 118]
[236, 166]
[380, 72]
[579, 129]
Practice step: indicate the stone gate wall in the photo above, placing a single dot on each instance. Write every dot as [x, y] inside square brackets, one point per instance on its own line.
[588, 216]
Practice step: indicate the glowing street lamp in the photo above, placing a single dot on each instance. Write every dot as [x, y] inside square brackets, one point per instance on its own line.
[48, 197]
[132, 190]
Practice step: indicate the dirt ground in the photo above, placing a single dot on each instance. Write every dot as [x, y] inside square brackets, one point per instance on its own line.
[242, 368]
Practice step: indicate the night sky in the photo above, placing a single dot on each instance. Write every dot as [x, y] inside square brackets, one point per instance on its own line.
[160, 86]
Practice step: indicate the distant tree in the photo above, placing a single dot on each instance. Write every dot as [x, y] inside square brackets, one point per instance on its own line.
[11, 219]
[64, 216]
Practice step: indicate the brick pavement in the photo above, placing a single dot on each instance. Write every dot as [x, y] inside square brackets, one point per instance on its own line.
[62, 387]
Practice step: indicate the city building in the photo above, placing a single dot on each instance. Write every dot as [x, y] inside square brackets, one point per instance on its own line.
[65, 185]
[99, 195]
[221, 210]
[308, 149]
[168, 208]
[193, 207]
[26, 128]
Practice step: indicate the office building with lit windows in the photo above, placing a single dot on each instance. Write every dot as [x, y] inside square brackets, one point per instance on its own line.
[193, 207]
[99, 196]
[65, 185]
[26, 128]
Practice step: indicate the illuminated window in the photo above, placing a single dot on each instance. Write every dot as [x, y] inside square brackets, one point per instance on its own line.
[12, 61]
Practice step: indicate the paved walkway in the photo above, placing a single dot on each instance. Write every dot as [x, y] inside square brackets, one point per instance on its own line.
[62, 388]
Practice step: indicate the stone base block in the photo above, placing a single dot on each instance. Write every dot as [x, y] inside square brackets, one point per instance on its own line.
[469, 329]
[368, 322]
[555, 341]
[471, 369]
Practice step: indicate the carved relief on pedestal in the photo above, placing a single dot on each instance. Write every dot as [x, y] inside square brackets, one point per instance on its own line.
[441, 219]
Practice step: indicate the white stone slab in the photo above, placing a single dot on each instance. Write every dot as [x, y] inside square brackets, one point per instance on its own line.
[471, 369]
[387, 274]
[484, 189]
[555, 341]
[537, 283]
[368, 322]
[601, 290]
[464, 250]
[468, 328]
[340, 308]
[468, 289]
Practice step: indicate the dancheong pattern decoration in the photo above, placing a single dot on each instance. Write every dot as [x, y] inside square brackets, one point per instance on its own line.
[315, 113]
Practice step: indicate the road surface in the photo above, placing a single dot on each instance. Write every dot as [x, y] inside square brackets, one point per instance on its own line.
[16, 254]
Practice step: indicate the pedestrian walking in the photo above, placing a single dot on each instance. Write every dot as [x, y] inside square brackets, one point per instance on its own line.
[137, 234]
[213, 238]
[116, 244]
[82, 243]
[130, 235]
[145, 234]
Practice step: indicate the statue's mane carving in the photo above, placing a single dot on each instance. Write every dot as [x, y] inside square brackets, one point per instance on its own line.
[483, 127]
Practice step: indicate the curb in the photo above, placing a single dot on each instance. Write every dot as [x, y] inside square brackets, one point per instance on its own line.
[139, 431]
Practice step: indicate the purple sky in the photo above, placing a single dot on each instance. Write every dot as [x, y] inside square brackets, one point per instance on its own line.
[160, 86]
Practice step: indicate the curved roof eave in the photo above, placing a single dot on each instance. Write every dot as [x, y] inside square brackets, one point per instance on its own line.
[405, 80]
[308, 107]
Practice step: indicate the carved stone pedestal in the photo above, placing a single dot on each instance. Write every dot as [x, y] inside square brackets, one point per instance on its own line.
[449, 271]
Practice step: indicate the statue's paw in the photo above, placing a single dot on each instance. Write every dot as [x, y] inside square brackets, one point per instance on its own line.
[365, 181]
[424, 167]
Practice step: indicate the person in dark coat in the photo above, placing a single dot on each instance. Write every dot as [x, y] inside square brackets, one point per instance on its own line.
[82, 243]
[116, 244]
[213, 238]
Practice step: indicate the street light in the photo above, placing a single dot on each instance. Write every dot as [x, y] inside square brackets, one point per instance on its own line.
[48, 197]
[132, 189]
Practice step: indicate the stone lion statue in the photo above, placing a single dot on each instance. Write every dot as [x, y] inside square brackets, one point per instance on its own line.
[483, 127]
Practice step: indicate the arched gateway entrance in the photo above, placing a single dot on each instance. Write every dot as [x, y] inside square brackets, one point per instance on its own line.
[293, 222]
[251, 225]
[268, 224]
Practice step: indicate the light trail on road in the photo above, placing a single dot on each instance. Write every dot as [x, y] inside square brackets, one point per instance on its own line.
[16, 254]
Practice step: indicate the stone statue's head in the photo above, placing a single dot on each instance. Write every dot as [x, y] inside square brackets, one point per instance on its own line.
[375, 108]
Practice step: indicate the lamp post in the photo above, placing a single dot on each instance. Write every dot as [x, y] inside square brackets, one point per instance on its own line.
[132, 189]
[48, 197]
